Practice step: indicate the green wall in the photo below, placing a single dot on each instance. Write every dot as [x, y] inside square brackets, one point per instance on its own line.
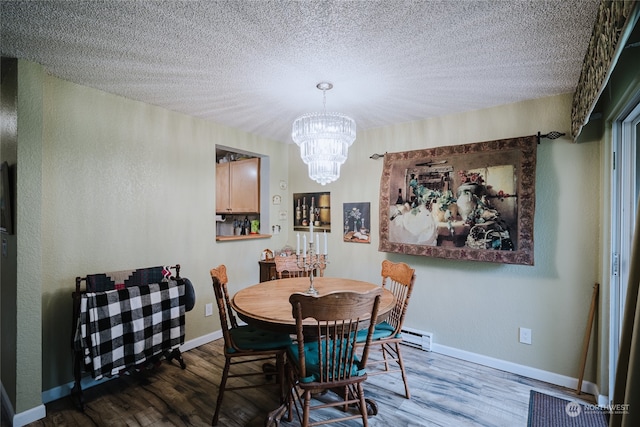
[127, 185]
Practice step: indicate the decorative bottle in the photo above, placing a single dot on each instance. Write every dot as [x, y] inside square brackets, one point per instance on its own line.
[312, 212]
[298, 214]
[305, 212]
[246, 226]
[399, 201]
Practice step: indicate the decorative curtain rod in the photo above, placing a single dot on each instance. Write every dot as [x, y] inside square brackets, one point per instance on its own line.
[551, 135]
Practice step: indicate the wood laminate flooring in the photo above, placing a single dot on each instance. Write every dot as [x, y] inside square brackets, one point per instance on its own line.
[444, 392]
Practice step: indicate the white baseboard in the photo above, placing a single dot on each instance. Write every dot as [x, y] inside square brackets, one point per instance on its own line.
[29, 416]
[205, 339]
[23, 418]
[603, 400]
[88, 382]
[514, 368]
[65, 389]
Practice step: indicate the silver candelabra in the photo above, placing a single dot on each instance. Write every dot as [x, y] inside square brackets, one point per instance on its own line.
[309, 262]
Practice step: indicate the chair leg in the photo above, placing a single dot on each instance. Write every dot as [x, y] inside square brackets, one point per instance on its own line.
[363, 405]
[291, 393]
[307, 408]
[384, 350]
[404, 374]
[223, 384]
[346, 395]
[281, 377]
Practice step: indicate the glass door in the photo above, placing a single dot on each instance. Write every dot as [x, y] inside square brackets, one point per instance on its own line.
[625, 186]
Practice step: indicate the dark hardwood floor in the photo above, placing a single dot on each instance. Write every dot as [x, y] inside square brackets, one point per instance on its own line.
[445, 392]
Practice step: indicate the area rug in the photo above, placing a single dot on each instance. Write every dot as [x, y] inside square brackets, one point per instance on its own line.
[550, 411]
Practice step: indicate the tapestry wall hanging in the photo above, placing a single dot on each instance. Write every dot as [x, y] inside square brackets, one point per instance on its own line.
[465, 202]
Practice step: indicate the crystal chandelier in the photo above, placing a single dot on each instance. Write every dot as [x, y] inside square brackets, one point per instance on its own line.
[324, 140]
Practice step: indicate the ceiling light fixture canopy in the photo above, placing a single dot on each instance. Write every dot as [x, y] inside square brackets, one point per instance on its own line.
[324, 140]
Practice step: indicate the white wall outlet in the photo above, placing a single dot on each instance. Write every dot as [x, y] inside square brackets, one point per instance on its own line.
[525, 336]
[208, 309]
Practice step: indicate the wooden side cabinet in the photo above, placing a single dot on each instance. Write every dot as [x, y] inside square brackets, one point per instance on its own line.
[238, 187]
[267, 270]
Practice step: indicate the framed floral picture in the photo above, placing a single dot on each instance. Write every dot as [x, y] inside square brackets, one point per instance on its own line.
[357, 222]
[467, 202]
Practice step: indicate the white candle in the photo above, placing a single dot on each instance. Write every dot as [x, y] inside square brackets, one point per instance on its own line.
[311, 231]
[298, 244]
[325, 242]
[318, 242]
[304, 245]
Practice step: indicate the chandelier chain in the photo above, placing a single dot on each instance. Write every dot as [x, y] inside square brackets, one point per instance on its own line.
[324, 100]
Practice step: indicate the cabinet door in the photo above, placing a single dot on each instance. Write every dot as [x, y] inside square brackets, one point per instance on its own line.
[222, 188]
[267, 271]
[244, 196]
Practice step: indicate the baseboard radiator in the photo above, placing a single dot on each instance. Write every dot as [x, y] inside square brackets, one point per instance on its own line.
[417, 338]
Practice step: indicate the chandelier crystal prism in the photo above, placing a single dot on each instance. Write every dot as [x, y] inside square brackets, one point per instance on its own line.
[324, 140]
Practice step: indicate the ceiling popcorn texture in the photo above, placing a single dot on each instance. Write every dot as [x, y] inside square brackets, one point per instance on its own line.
[254, 65]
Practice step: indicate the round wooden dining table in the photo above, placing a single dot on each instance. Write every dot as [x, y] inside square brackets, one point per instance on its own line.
[266, 305]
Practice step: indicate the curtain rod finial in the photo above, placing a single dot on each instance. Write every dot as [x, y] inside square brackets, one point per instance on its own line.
[551, 135]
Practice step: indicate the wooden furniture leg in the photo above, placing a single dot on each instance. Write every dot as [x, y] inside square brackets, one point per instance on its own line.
[587, 336]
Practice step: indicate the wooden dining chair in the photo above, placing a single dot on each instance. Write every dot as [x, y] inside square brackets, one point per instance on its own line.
[244, 344]
[399, 279]
[287, 266]
[324, 356]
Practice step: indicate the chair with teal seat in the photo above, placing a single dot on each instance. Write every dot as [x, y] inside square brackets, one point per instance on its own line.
[245, 344]
[399, 279]
[324, 356]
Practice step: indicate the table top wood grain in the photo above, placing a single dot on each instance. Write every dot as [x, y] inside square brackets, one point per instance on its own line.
[266, 304]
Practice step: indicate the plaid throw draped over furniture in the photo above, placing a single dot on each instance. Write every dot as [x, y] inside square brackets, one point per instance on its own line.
[127, 320]
[126, 327]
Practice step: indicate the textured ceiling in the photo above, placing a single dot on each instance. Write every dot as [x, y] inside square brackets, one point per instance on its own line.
[254, 65]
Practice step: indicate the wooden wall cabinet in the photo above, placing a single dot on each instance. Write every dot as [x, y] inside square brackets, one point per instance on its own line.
[238, 187]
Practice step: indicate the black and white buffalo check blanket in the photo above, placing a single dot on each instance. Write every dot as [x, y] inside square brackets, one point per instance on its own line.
[123, 328]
